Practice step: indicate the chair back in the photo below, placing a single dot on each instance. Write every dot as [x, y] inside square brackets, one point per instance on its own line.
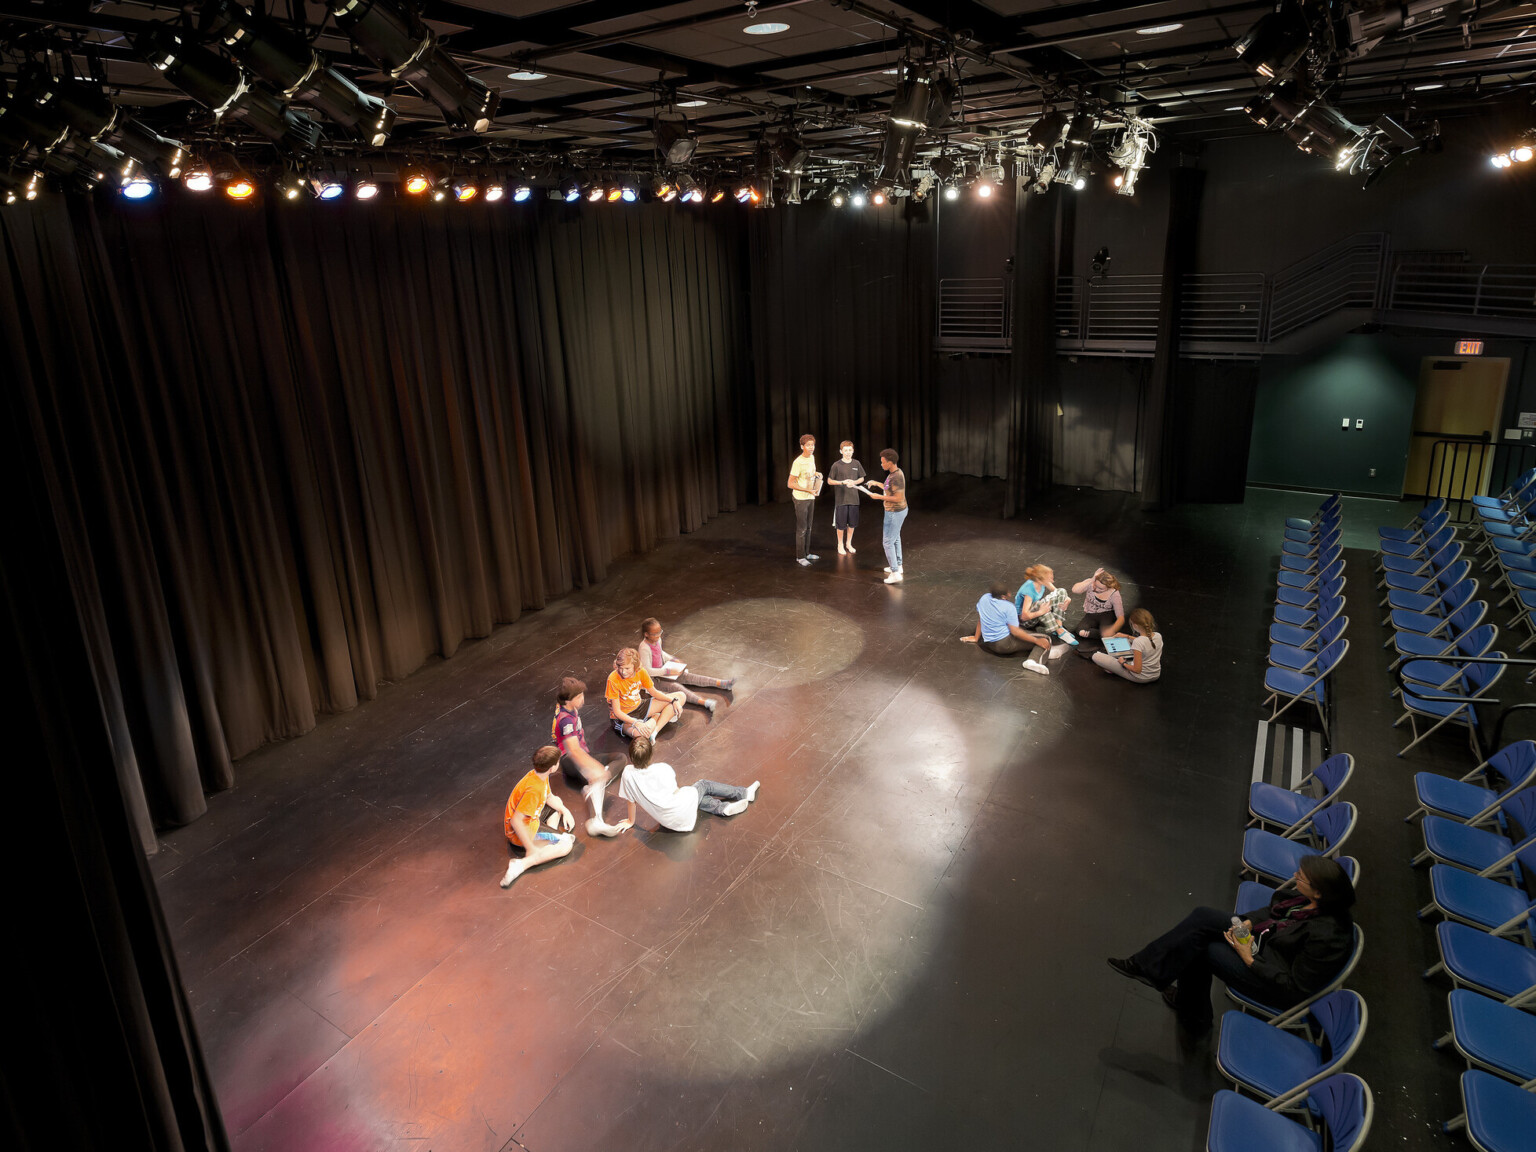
[1334, 772]
[1516, 764]
[1333, 570]
[1432, 509]
[1329, 657]
[1445, 557]
[1334, 826]
[1433, 524]
[1521, 809]
[1341, 1018]
[1351, 868]
[1478, 678]
[1332, 588]
[1328, 609]
[1523, 481]
[1459, 595]
[1453, 574]
[1345, 1104]
[1440, 539]
[1476, 641]
[1464, 619]
[1334, 629]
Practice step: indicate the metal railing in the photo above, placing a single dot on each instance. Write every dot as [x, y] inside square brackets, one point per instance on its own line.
[975, 314]
[1343, 275]
[1234, 310]
[1429, 285]
[1461, 467]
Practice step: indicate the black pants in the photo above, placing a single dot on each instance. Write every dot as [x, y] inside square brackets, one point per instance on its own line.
[1009, 645]
[1191, 953]
[1095, 623]
[804, 509]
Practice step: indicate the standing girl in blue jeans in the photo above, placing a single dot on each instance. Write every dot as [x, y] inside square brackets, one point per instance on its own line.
[895, 500]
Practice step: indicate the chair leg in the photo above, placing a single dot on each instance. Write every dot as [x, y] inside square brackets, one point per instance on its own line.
[1444, 1040]
[1419, 811]
[1434, 971]
[1456, 1124]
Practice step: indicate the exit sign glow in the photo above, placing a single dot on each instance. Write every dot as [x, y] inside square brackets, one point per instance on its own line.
[1469, 347]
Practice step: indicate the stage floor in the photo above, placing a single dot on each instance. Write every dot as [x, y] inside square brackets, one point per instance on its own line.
[901, 944]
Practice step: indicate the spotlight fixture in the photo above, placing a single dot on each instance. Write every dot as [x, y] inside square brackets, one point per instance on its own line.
[1133, 144]
[291, 185]
[287, 62]
[1101, 260]
[1276, 44]
[394, 37]
[597, 193]
[743, 193]
[365, 190]
[839, 196]
[877, 197]
[789, 150]
[717, 193]
[199, 178]
[417, 182]
[240, 187]
[662, 189]
[1521, 152]
[569, 188]
[676, 141]
[629, 190]
[951, 192]
[613, 193]
[696, 196]
[1049, 131]
[924, 98]
[329, 188]
[686, 184]
[138, 188]
[465, 190]
[521, 192]
[494, 192]
[89, 112]
[227, 89]
[984, 190]
[858, 198]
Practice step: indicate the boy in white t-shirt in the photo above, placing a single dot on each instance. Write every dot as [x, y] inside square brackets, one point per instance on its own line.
[654, 788]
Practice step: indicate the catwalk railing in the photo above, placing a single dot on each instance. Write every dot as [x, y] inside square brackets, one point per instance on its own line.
[1245, 314]
[1461, 467]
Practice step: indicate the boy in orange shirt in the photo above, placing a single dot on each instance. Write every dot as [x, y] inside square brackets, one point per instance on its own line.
[628, 685]
[521, 822]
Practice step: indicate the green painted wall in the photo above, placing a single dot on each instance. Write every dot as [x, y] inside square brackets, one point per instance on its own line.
[1297, 439]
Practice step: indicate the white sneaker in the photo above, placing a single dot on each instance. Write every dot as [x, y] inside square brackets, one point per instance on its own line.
[893, 578]
[887, 569]
[812, 556]
[1040, 668]
[803, 562]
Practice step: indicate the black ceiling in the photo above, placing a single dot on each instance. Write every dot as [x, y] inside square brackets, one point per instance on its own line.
[610, 64]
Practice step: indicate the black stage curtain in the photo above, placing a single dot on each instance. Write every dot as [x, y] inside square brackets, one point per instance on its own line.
[101, 1049]
[294, 452]
[842, 338]
[1036, 393]
[1165, 424]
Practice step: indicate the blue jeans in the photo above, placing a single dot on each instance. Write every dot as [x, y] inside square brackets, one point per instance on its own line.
[891, 537]
[714, 797]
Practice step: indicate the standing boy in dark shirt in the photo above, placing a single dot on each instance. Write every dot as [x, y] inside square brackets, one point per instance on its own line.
[846, 475]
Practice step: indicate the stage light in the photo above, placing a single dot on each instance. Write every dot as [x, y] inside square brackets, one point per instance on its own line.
[676, 142]
[291, 185]
[329, 189]
[569, 187]
[696, 196]
[629, 190]
[365, 190]
[717, 194]
[877, 197]
[743, 193]
[596, 193]
[1080, 183]
[1133, 144]
[465, 190]
[789, 150]
[1521, 154]
[858, 199]
[1501, 160]
[839, 197]
[227, 89]
[240, 188]
[1048, 132]
[395, 38]
[417, 182]
[1276, 44]
[494, 192]
[296, 70]
[90, 113]
[138, 188]
[951, 192]
[198, 178]
[984, 190]
[662, 189]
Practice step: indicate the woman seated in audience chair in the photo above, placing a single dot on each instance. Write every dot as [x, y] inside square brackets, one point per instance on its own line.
[1298, 943]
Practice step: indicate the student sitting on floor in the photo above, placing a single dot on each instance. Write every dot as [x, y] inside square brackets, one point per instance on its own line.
[591, 773]
[628, 684]
[1103, 609]
[521, 822]
[1041, 606]
[655, 659]
[654, 788]
[1144, 662]
[998, 630]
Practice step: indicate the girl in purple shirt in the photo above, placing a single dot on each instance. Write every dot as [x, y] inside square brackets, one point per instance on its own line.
[654, 659]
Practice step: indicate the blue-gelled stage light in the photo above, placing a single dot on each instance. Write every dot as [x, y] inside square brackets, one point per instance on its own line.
[522, 192]
[138, 188]
[330, 190]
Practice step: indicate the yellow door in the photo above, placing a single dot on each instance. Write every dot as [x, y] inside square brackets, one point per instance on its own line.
[1464, 400]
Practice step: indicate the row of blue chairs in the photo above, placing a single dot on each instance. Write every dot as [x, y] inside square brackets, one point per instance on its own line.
[1435, 615]
[1290, 1090]
[1306, 636]
[1504, 527]
[1480, 841]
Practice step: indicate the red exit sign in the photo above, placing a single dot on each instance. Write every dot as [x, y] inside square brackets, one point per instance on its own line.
[1469, 347]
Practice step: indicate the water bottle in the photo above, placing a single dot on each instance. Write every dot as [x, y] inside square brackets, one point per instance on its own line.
[1240, 931]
